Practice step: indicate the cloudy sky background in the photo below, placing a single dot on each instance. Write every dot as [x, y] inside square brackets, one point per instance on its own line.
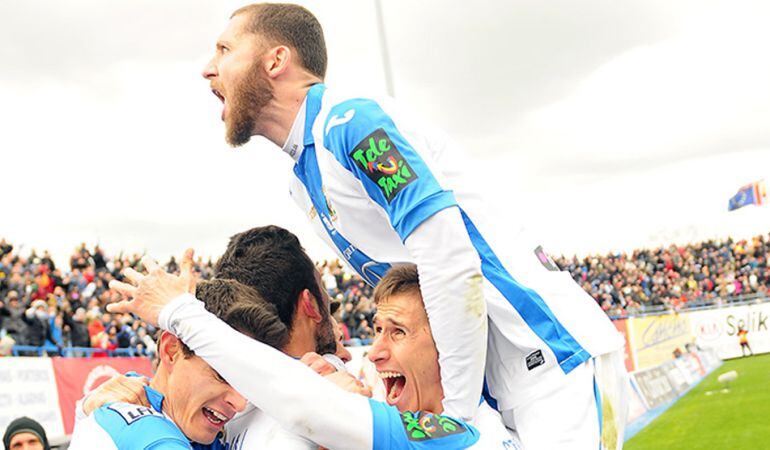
[604, 125]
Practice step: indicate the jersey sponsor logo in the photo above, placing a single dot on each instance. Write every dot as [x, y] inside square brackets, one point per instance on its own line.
[421, 426]
[535, 359]
[337, 120]
[546, 260]
[380, 160]
[131, 413]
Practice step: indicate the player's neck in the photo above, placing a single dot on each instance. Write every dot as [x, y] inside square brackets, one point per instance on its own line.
[278, 116]
[301, 341]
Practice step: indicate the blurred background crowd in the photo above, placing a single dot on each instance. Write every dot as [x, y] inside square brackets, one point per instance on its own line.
[676, 277]
[61, 310]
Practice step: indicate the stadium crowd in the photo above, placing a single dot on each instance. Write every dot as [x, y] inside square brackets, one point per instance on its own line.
[43, 305]
[674, 277]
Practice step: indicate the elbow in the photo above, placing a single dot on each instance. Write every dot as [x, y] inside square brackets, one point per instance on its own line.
[297, 421]
[475, 305]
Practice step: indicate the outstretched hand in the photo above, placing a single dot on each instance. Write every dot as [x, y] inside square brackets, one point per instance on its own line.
[148, 294]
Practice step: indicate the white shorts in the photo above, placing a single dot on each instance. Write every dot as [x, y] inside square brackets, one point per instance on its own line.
[586, 412]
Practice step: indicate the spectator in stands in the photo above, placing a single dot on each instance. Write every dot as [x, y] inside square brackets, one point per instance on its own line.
[78, 330]
[38, 328]
[11, 316]
[25, 434]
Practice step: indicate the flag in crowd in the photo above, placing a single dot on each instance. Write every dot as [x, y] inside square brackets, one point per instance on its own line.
[750, 194]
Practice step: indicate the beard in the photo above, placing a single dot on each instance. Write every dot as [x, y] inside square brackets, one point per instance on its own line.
[245, 105]
[325, 341]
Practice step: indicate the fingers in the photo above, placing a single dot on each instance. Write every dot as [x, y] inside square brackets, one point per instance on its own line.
[119, 388]
[150, 265]
[133, 276]
[318, 364]
[120, 307]
[122, 288]
[187, 261]
[186, 270]
[309, 357]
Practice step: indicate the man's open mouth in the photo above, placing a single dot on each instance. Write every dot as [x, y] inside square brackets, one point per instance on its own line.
[394, 385]
[222, 99]
[215, 417]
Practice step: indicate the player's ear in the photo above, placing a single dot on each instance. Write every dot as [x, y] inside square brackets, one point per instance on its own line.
[309, 306]
[169, 349]
[277, 60]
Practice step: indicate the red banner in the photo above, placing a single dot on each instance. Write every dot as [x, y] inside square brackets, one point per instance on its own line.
[620, 325]
[76, 377]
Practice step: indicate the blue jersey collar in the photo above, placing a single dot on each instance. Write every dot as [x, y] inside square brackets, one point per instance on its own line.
[314, 96]
[155, 398]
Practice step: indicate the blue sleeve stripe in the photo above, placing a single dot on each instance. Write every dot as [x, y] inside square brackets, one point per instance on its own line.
[598, 397]
[529, 304]
[422, 211]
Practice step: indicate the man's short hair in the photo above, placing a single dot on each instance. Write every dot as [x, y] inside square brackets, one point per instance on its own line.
[400, 279]
[271, 260]
[244, 309]
[292, 25]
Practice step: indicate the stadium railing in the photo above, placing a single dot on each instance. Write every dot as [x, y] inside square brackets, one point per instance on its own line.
[699, 304]
[68, 352]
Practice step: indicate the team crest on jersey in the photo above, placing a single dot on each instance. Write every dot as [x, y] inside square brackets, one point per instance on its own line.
[380, 160]
[422, 427]
[332, 212]
[131, 413]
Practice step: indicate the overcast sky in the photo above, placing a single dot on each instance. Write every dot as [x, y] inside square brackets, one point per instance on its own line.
[605, 125]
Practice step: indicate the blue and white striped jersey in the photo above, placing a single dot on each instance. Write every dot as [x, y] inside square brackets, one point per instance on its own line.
[124, 426]
[381, 188]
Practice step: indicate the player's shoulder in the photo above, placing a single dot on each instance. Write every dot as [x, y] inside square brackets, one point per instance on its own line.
[353, 116]
[138, 427]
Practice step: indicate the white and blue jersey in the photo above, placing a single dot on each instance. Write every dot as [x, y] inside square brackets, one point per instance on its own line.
[124, 426]
[381, 188]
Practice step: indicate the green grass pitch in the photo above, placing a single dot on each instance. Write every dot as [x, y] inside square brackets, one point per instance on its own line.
[737, 419]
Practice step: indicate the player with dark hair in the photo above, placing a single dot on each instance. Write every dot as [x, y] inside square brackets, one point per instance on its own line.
[271, 260]
[188, 400]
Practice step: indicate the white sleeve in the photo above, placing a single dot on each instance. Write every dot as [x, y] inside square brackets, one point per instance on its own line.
[451, 284]
[298, 398]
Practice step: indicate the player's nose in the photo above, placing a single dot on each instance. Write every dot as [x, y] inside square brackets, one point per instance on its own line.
[236, 400]
[209, 70]
[379, 351]
[343, 353]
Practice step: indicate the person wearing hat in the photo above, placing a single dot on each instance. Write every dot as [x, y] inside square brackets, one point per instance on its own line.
[25, 434]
